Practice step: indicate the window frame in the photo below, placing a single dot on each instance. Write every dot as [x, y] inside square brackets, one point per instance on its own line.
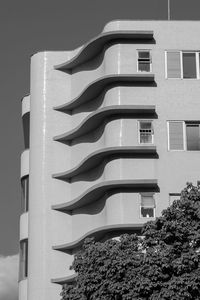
[23, 262]
[184, 124]
[140, 121]
[25, 194]
[197, 60]
[148, 194]
[196, 63]
[139, 59]
[168, 144]
[173, 195]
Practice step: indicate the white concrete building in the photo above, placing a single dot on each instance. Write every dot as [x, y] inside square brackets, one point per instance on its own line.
[114, 137]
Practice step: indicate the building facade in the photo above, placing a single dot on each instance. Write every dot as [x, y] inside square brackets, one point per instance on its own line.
[112, 135]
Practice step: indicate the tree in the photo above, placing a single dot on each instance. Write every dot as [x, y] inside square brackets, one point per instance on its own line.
[162, 264]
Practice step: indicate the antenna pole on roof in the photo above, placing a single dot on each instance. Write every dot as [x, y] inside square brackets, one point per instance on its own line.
[169, 17]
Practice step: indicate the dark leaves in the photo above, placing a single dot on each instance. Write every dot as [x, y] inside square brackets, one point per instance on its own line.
[164, 264]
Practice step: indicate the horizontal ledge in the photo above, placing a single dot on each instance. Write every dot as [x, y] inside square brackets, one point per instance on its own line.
[94, 88]
[93, 120]
[94, 46]
[99, 189]
[65, 280]
[96, 157]
[99, 233]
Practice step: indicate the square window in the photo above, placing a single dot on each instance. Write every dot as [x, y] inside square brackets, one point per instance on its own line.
[144, 63]
[184, 135]
[193, 137]
[182, 64]
[143, 54]
[147, 212]
[144, 66]
[145, 132]
[189, 65]
[173, 197]
[147, 207]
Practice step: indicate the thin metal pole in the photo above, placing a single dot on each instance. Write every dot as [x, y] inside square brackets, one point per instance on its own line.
[169, 17]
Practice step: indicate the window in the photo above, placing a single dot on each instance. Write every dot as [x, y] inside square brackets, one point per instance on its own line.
[23, 267]
[192, 136]
[189, 65]
[173, 197]
[24, 193]
[145, 132]
[147, 207]
[182, 64]
[184, 135]
[144, 63]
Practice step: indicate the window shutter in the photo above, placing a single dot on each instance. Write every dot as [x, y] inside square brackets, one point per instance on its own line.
[173, 65]
[176, 141]
[147, 201]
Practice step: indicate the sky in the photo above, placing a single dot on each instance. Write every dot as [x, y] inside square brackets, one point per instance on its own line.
[27, 27]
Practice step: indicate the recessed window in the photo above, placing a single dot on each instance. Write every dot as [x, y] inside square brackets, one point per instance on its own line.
[24, 194]
[145, 132]
[189, 65]
[184, 135]
[147, 207]
[173, 197]
[192, 136]
[182, 64]
[23, 266]
[144, 61]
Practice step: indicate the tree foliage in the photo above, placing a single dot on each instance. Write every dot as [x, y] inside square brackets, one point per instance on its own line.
[162, 264]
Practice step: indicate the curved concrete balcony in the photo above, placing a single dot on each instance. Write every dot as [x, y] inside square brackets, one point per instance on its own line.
[93, 89]
[25, 163]
[26, 119]
[95, 158]
[24, 226]
[94, 46]
[99, 189]
[23, 289]
[64, 280]
[25, 105]
[99, 233]
[92, 121]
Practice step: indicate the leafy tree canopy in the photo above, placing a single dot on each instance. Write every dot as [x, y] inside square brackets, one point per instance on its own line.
[162, 264]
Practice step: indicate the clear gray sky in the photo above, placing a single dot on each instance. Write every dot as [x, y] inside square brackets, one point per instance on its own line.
[30, 26]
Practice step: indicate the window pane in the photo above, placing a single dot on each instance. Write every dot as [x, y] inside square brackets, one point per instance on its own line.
[146, 132]
[176, 135]
[144, 54]
[173, 64]
[144, 66]
[24, 193]
[189, 65]
[145, 125]
[173, 197]
[147, 212]
[199, 63]
[23, 269]
[147, 201]
[145, 138]
[147, 205]
[193, 137]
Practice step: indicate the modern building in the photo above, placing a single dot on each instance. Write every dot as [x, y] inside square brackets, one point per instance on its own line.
[114, 137]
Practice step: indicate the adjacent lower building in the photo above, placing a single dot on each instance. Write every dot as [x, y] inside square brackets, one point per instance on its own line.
[112, 135]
